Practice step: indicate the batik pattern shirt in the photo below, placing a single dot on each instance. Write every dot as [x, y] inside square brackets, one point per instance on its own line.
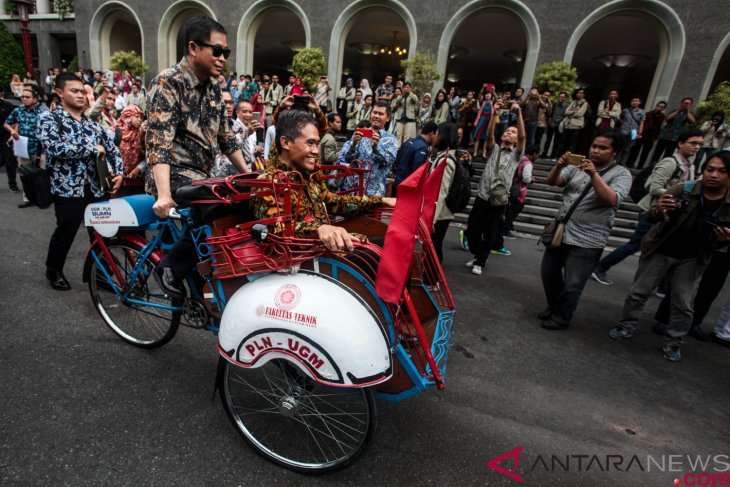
[27, 120]
[70, 147]
[382, 159]
[187, 125]
[316, 204]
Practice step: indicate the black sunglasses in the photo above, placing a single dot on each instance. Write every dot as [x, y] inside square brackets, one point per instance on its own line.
[217, 49]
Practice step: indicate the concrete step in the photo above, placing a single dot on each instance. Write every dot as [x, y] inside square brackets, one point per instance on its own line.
[618, 230]
[553, 204]
[621, 219]
[536, 230]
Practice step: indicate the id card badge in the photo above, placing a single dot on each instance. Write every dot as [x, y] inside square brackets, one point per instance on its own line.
[633, 134]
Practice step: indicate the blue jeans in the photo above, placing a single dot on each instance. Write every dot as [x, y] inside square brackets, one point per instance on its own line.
[564, 272]
[530, 129]
[629, 248]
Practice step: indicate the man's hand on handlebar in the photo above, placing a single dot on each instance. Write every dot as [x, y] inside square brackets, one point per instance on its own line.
[336, 238]
[116, 183]
[163, 205]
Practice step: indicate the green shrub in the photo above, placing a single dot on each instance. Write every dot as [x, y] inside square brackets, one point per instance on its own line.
[718, 100]
[421, 71]
[309, 64]
[11, 58]
[128, 61]
[556, 76]
[73, 66]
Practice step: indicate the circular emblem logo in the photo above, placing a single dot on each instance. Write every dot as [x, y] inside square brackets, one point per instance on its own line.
[287, 297]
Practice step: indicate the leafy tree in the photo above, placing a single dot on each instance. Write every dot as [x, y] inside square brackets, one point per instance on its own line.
[421, 71]
[309, 63]
[718, 100]
[11, 57]
[129, 61]
[557, 76]
[73, 66]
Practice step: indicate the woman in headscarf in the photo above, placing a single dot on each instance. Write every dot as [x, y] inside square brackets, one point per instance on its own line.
[298, 88]
[258, 106]
[365, 88]
[132, 149]
[16, 86]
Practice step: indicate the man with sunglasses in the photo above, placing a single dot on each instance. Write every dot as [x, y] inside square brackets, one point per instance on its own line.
[188, 125]
[23, 121]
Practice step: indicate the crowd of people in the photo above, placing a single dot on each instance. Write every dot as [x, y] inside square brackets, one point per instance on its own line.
[194, 123]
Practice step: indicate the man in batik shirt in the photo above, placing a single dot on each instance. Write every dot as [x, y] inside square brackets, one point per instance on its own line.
[297, 149]
[188, 125]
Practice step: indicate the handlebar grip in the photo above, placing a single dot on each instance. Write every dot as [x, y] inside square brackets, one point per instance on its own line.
[174, 214]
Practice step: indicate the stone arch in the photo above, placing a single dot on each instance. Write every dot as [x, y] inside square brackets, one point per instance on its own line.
[719, 54]
[671, 43]
[344, 23]
[516, 7]
[249, 27]
[101, 30]
[170, 25]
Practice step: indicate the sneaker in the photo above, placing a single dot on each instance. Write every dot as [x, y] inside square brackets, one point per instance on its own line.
[700, 334]
[659, 328]
[672, 351]
[660, 294]
[545, 314]
[601, 278]
[476, 269]
[170, 283]
[619, 332]
[509, 236]
[502, 251]
[470, 264]
[14, 190]
[464, 243]
[551, 324]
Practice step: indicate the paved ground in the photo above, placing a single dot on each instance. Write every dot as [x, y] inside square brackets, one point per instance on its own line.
[79, 407]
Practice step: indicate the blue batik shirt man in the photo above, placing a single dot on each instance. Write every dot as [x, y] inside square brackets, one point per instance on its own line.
[379, 151]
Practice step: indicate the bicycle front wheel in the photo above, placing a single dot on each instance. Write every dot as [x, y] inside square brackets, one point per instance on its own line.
[294, 421]
[137, 319]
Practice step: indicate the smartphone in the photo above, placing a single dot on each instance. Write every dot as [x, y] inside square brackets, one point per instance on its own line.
[257, 117]
[365, 132]
[490, 88]
[575, 159]
[507, 105]
[300, 103]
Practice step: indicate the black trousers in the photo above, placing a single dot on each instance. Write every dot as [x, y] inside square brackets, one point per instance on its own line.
[438, 235]
[552, 137]
[713, 279]
[570, 141]
[664, 148]
[69, 215]
[483, 229]
[640, 150]
[11, 164]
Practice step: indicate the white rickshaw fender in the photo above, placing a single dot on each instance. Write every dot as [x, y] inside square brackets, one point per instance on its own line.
[313, 321]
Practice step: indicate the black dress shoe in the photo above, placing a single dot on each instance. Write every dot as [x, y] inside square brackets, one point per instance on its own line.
[25, 204]
[699, 334]
[553, 325]
[170, 282]
[720, 341]
[544, 315]
[58, 281]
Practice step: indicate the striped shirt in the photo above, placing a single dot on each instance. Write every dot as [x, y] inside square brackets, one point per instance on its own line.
[590, 225]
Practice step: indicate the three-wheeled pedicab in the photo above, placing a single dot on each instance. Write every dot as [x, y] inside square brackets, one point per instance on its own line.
[305, 341]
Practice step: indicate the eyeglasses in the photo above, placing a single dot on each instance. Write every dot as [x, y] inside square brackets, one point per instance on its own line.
[228, 102]
[217, 49]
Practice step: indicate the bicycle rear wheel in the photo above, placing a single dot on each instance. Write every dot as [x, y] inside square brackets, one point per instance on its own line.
[294, 421]
[140, 324]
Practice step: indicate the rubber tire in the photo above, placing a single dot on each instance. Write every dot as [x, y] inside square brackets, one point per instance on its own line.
[174, 322]
[224, 365]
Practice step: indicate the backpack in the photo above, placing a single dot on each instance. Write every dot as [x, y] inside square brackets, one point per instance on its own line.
[460, 190]
[639, 187]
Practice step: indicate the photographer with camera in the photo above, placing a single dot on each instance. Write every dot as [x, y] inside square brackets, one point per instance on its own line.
[694, 220]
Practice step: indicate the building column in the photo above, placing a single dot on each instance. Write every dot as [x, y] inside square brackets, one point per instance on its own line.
[43, 6]
[49, 55]
[2, 9]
